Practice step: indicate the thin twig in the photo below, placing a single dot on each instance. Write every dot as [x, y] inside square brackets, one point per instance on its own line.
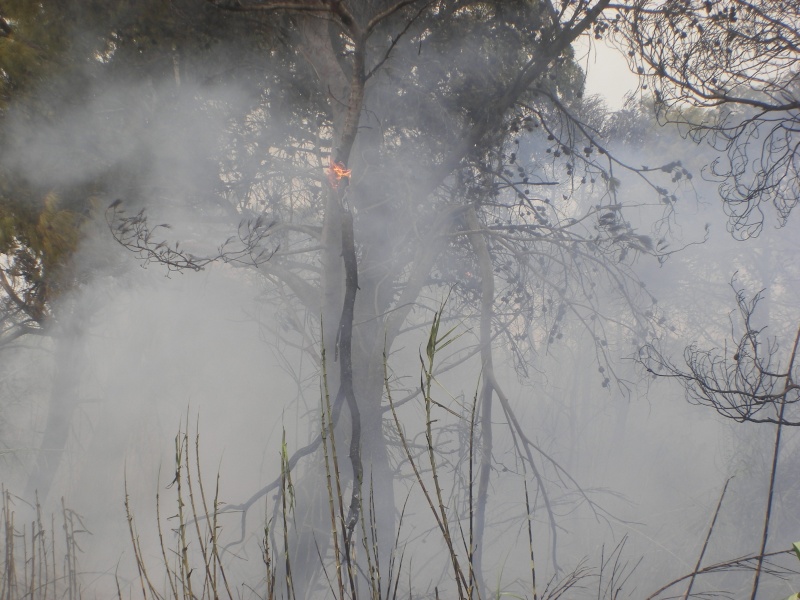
[708, 537]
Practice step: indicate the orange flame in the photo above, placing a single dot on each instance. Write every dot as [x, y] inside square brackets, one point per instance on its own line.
[336, 172]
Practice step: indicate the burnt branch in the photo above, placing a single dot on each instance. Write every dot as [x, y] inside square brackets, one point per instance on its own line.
[738, 62]
[134, 233]
[746, 382]
[396, 38]
[741, 564]
[346, 371]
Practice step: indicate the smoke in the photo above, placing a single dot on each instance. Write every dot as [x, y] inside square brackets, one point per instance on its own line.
[144, 352]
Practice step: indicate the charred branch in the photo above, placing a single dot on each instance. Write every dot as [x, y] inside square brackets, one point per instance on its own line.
[134, 233]
[737, 60]
[746, 382]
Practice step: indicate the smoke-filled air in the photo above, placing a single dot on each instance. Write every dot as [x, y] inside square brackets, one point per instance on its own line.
[382, 299]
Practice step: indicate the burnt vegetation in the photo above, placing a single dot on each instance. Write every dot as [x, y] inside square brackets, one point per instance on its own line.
[381, 155]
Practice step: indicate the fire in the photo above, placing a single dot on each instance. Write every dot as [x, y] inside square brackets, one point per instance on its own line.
[336, 172]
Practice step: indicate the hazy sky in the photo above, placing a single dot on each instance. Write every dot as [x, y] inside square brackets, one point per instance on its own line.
[607, 71]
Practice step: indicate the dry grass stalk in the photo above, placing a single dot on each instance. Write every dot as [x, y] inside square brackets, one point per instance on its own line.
[31, 555]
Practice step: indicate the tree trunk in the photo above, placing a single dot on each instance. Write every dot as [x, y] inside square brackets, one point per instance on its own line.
[64, 400]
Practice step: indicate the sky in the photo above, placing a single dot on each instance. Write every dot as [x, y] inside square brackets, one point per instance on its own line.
[607, 72]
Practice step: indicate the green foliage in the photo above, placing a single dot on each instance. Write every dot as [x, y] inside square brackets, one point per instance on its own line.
[56, 58]
[29, 49]
[796, 547]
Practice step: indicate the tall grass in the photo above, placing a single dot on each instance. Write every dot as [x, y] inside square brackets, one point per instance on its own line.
[191, 561]
[191, 567]
[38, 563]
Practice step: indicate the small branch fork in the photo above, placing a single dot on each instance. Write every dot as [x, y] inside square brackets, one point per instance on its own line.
[135, 234]
[742, 388]
[744, 563]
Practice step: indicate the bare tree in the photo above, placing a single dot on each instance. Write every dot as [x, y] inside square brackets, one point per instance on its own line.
[749, 381]
[442, 149]
[726, 72]
[739, 60]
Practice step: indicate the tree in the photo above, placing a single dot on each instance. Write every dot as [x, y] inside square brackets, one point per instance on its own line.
[52, 64]
[39, 228]
[60, 94]
[402, 148]
[738, 58]
[387, 153]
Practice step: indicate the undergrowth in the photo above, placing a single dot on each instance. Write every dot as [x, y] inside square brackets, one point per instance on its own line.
[37, 562]
[193, 562]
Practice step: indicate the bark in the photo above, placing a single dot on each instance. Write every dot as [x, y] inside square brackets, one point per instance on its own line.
[64, 401]
[340, 284]
[481, 249]
[356, 327]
